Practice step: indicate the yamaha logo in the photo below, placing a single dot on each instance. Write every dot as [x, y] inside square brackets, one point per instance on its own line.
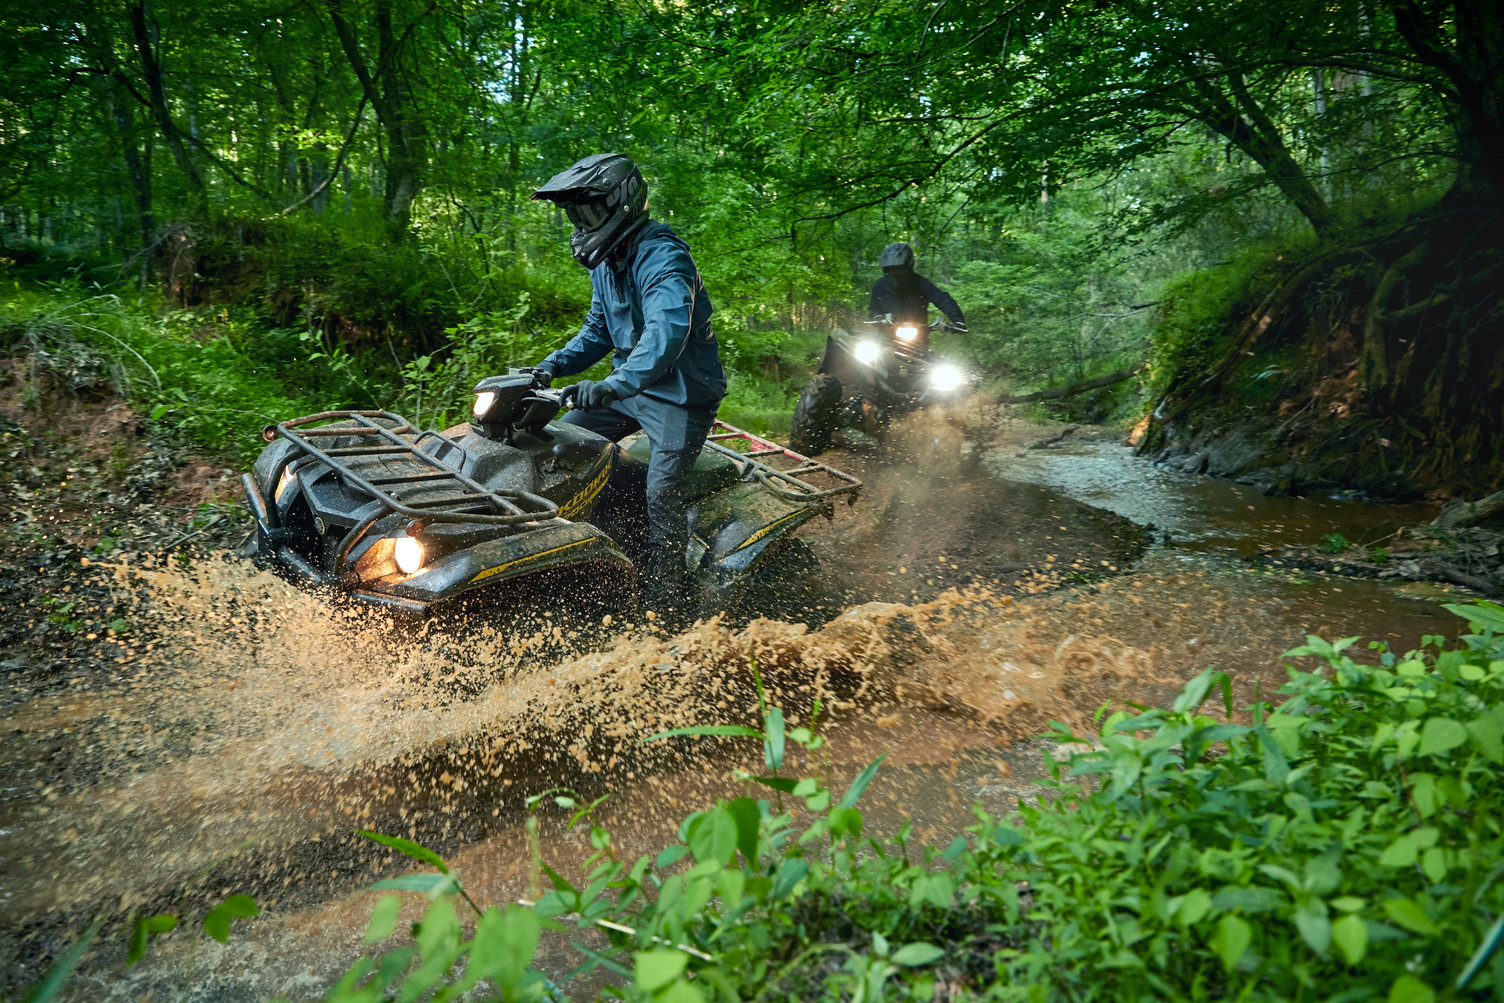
[320, 525]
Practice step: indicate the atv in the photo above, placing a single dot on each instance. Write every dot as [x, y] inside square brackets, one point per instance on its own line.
[863, 382]
[365, 504]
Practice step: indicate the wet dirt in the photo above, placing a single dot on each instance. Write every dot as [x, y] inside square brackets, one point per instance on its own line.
[228, 733]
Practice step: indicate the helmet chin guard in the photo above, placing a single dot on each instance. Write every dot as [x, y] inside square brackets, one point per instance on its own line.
[605, 198]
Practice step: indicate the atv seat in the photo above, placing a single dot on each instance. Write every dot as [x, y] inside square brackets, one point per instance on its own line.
[711, 472]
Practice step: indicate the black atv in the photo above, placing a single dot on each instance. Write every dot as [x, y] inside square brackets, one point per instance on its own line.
[863, 381]
[414, 521]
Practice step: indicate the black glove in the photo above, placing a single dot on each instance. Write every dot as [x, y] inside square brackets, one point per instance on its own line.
[542, 377]
[590, 395]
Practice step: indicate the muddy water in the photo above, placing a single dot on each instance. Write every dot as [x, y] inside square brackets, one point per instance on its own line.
[1199, 513]
[249, 730]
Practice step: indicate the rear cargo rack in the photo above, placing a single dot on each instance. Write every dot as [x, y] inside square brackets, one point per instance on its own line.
[807, 481]
[472, 502]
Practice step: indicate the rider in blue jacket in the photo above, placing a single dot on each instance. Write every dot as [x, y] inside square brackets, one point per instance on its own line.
[648, 306]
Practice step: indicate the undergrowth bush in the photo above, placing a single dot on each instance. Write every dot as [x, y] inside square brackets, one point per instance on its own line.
[1200, 311]
[219, 374]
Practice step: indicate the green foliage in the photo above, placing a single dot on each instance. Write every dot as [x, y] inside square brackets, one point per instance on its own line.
[1334, 543]
[1199, 312]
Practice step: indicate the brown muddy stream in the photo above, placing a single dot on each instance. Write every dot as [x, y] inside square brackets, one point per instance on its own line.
[963, 603]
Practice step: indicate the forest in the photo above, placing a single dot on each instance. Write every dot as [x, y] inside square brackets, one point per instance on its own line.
[1289, 207]
[1259, 241]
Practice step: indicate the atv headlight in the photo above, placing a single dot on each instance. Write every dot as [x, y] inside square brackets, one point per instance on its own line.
[945, 378]
[483, 402]
[906, 333]
[282, 483]
[867, 352]
[409, 554]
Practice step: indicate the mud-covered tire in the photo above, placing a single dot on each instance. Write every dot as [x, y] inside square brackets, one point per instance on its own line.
[817, 416]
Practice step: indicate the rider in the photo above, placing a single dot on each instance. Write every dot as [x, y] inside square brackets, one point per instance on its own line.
[648, 305]
[905, 295]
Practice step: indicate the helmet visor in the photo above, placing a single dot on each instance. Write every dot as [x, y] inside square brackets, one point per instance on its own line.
[587, 216]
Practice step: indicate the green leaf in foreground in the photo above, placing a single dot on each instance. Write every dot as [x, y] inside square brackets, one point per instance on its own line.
[217, 922]
[1440, 735]
[47, 988]
[383, 919]
[1233, 937]
[713, 836]
[144, 929]
[707, 731]
[504, 945]
[408, 848]
[1350, 934]
[432, 885]
[772, 742]
[1409, 989]
[655, 969]
[859, 785]
[917, 954]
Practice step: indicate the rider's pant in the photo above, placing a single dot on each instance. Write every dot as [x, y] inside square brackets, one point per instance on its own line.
[676, 433]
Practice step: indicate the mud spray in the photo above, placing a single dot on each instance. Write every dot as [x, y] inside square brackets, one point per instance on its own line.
[247, 729]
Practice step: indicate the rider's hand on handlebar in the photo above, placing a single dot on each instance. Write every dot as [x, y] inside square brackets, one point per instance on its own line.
[588, 395]
[592, 395]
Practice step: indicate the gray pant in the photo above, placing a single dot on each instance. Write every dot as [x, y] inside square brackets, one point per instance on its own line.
[676, 434]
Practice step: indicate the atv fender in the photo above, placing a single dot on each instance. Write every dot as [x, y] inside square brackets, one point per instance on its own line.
[487, 565]
[740, 526]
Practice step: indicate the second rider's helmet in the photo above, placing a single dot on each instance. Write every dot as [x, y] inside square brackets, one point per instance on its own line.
[897, 255]
[605, 198]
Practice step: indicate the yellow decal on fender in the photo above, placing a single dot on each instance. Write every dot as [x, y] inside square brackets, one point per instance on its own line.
[764, 531]
[581, 501]
[531, 557]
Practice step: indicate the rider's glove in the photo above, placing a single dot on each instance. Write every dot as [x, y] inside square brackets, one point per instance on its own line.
[591, 395]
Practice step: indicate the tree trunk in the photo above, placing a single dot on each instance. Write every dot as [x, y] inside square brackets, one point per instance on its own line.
[135, 165]
[1245, 124]
[1471, 67]
[147, 35]
[407, 153]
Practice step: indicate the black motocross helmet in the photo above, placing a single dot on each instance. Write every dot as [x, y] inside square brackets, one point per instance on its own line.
[605, 198]
[899, 256]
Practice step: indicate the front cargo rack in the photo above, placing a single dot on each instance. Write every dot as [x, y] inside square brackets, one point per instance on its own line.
[807, 481]
[473, 502]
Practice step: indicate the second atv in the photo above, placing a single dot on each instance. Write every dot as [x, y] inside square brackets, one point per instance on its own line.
[865, 380]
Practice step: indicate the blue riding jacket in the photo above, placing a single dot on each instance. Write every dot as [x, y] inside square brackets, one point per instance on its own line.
[649, 306]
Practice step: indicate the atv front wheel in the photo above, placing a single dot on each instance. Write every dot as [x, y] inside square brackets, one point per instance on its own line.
[817, 416]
